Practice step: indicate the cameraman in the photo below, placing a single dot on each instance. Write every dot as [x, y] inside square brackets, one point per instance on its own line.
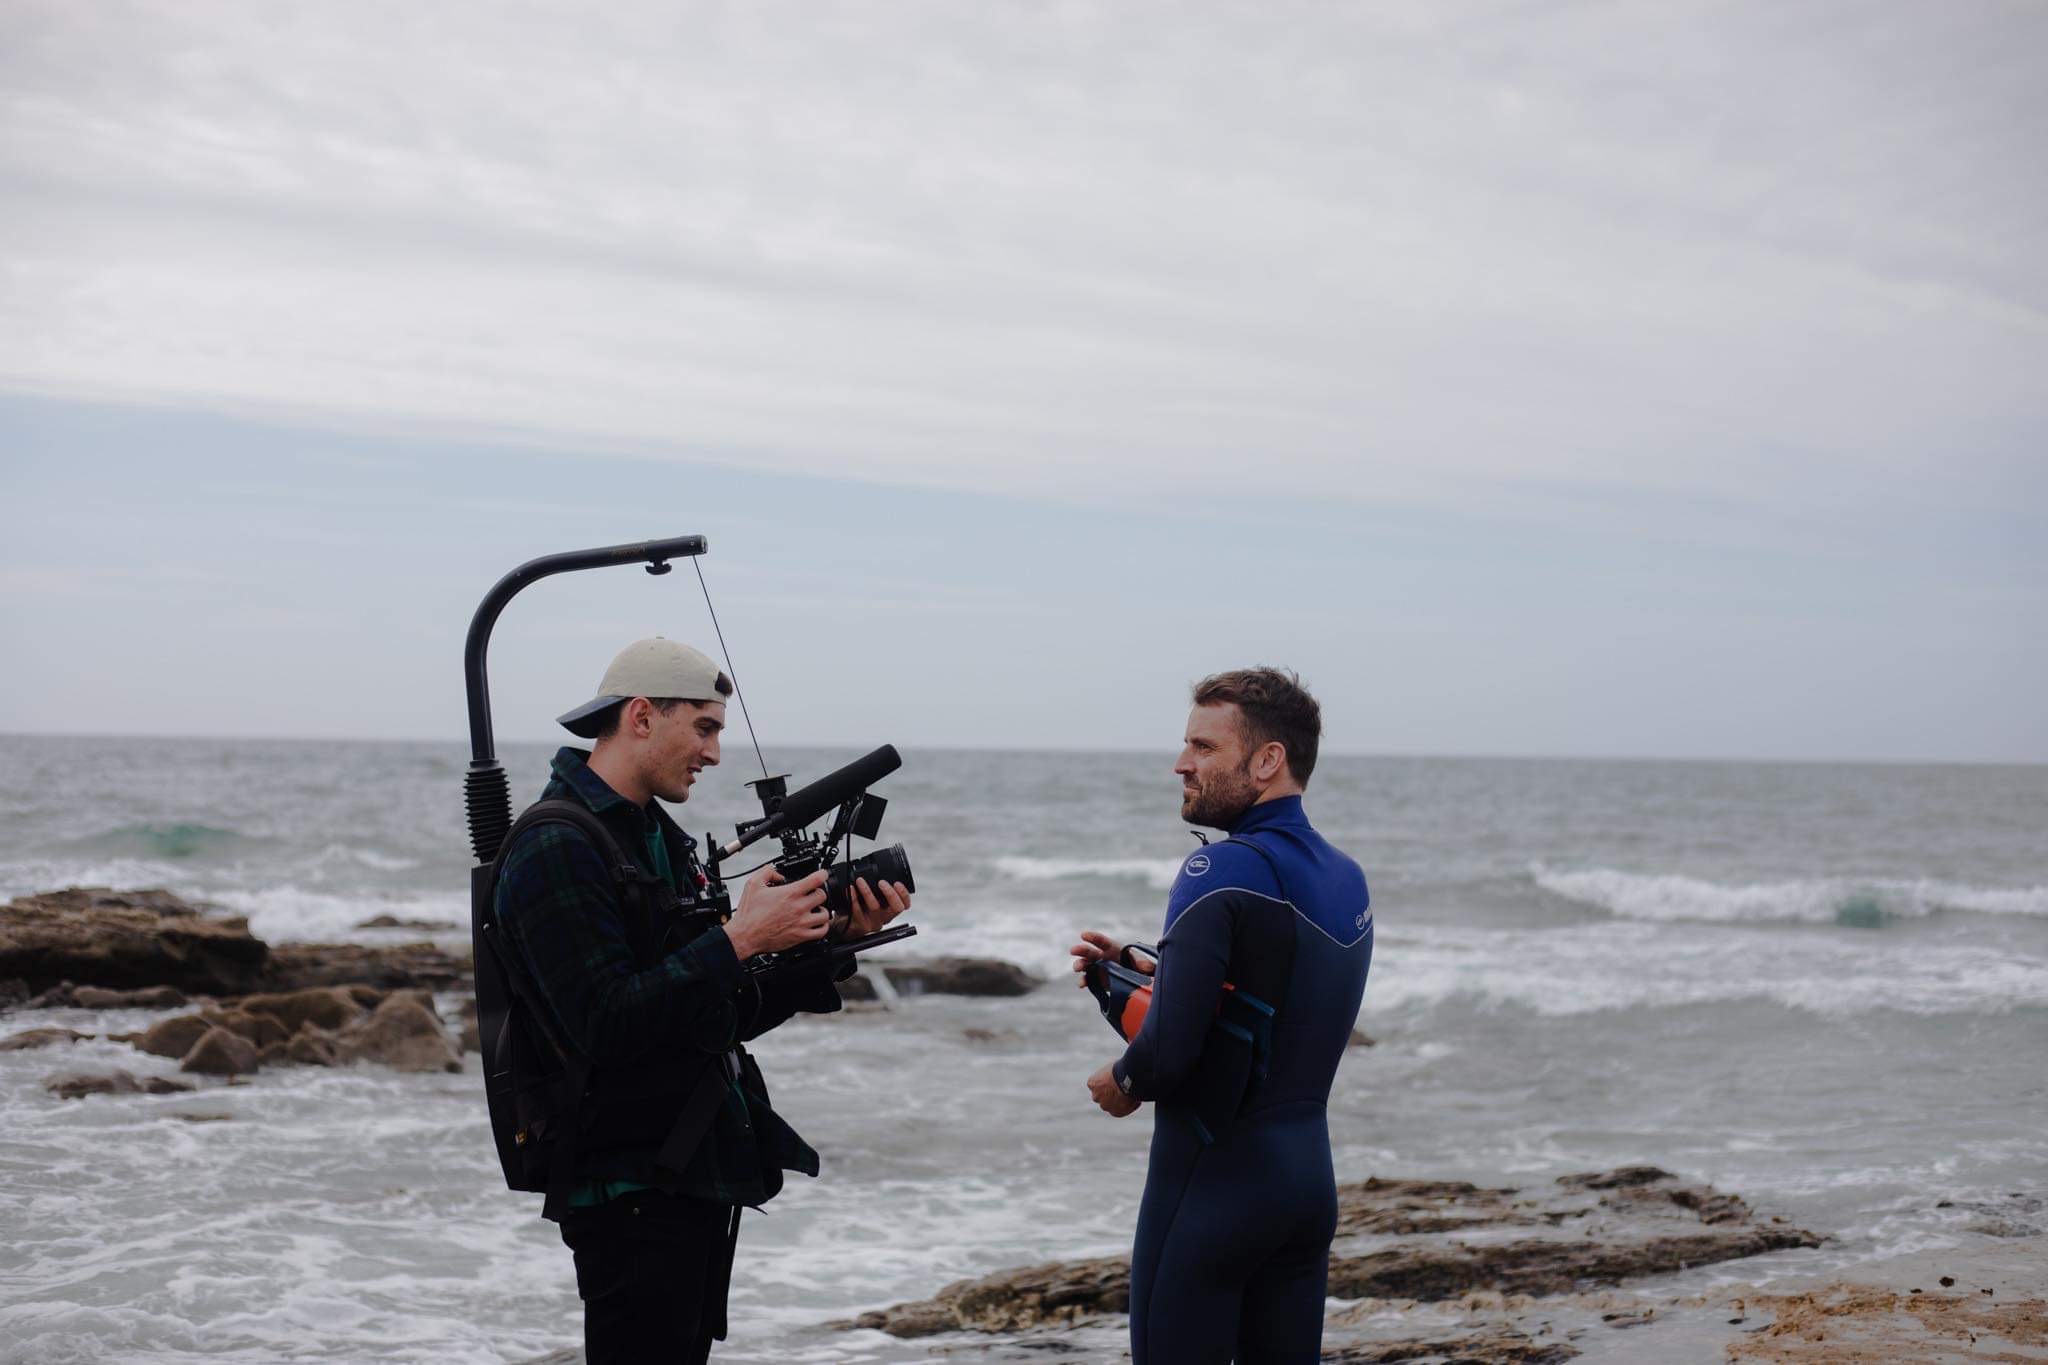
[673, 1134]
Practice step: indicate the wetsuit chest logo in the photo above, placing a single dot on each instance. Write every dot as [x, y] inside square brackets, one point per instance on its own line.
[1198, 864]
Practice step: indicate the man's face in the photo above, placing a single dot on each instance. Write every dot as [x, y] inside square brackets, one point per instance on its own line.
[1215, 768]
[680, 745]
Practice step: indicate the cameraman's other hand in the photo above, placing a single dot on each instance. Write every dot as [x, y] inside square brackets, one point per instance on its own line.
[774, 915]
[869, 914]
[1094, 947]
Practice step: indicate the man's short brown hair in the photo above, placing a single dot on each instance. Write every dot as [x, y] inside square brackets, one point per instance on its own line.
[608, 721]
[1275, 707]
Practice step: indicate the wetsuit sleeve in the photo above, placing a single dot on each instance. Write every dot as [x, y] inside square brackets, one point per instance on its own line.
[557, 906]
[1193, 958]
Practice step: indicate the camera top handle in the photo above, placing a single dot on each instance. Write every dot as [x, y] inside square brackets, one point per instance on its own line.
[484, 787]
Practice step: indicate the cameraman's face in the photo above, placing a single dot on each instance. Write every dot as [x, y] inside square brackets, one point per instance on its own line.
[680, 745]
[1215, 768]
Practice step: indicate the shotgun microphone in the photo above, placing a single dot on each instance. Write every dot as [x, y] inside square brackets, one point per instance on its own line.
[806, 804]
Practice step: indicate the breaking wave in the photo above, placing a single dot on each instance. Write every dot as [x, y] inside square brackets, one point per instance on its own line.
[1851, 902]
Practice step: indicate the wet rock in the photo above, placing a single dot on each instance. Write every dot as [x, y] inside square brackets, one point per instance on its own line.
[402, 1034]
[312, 1047]
[989, 1035]
[14, 991]
[303, 966]
[1846, 1322]
[148, 998]
[1012, 1300]
[426, 926]
[1358, 1039]
[220, 1052]
[123, 940]
[260, 1029]
[1584, 1231]
[77, 1087]
[1502, 1346]
[41, 1037]
[960, 976]
[327, 1007]
[173, 1037]
[857, 989]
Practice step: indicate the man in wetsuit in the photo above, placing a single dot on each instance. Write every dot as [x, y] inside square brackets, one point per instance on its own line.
[1233, 1242]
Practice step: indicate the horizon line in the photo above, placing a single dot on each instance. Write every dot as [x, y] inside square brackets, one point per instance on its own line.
[1891, 762]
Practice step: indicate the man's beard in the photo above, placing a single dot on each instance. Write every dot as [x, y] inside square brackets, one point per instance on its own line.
[1222, 801]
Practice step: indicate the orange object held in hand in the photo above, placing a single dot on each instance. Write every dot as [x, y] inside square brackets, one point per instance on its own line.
[1124, 993]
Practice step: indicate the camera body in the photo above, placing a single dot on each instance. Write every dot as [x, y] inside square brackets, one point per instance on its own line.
[859, 815]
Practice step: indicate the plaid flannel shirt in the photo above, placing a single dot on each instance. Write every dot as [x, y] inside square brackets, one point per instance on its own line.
[556, 903]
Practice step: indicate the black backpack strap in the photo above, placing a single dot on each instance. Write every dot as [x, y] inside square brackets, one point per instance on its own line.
[560, 1128]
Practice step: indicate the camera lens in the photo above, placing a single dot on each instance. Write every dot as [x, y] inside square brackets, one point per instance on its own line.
[889, 864]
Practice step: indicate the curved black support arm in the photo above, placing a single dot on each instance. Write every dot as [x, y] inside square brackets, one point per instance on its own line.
[484, 786]
[654, 553]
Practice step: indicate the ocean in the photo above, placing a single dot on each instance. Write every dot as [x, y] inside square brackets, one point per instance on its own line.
[1822, 987]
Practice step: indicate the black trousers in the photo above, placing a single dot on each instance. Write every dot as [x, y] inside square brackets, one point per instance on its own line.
[653, 1270]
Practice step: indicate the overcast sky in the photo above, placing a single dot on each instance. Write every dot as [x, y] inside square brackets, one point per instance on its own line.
[1573, 378]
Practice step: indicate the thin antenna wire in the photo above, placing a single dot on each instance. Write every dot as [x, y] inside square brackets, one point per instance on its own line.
[731, 672]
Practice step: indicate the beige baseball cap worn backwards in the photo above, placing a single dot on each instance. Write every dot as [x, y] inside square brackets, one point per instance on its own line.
[649, 668]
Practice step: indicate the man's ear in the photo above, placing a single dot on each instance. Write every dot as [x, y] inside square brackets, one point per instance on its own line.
[1271, 758]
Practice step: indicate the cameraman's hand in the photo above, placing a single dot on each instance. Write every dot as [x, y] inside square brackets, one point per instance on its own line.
[869, 914]
[1094, 947]
[774, 914]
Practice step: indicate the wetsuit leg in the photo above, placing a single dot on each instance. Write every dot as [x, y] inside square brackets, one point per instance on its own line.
[1183, 1305]
[1282, 1320]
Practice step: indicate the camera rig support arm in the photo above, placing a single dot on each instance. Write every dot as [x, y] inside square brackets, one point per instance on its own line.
[485, 789]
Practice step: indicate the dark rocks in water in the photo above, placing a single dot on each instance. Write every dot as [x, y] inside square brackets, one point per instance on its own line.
[148, 998]
[1499, 1346]
[305, 966]
[14, 991]
[221, 1052]
[425, 926]
[319, 1026]
[944, 976]
[260, 1029]
[960, 976]
[173, 1037]
[1585, 1231]
[312, 1047]
[402, 1033]
[77, 1087]
[1013, 1300]
[468, 1037]
[1358, 1039]
[327, 1007]
[41, 1037]
[124, 940]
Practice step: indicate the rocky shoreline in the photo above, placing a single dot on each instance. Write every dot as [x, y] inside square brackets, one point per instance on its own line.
[1414, 1242]
[1427, 1270]
[257, 1005]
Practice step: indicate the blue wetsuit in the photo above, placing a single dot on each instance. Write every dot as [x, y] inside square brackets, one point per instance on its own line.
[1232, 1252]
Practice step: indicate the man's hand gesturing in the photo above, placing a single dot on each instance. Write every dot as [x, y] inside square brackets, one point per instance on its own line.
[774, 914]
